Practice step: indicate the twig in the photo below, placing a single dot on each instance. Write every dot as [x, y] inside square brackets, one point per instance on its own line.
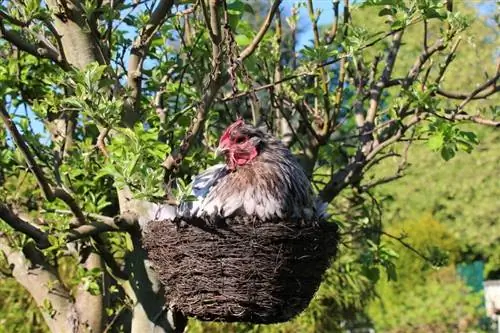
[408, 246]
[100, 144]
[266, 86]
[323, 76]
[342, 73]
[479, 89]
[330, 36]
[449, 58]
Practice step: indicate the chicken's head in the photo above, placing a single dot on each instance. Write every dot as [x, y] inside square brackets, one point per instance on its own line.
[240, 144]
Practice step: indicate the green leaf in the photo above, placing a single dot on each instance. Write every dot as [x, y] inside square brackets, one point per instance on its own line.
[435, 142]
[447, 153]
[242, 40]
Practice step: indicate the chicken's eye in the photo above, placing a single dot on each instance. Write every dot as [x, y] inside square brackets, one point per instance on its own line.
[240, 139]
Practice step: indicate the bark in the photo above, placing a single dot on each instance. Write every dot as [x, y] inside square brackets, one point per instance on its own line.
[43, 284]
[150, 313]
[90, 308]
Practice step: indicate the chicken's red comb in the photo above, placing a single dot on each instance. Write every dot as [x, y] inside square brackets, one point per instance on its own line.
[230, 128]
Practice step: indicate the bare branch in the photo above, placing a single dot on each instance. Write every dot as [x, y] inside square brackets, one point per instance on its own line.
[23, 147]
[386, 75]
[493, 89]
[138, 53]
[408, 246]
[482, 87]
[323, 77]
[263, 87]
[91, 229]
[472, 118]
[439, 45]
[330, 35]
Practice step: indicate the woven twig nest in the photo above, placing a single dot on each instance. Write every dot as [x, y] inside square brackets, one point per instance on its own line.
[241, 269]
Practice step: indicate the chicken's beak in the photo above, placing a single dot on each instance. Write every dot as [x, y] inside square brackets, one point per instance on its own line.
[220, 151]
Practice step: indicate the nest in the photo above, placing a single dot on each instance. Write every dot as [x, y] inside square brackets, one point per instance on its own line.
[241, 269]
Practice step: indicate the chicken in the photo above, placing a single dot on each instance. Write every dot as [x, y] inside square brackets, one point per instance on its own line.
[260, 177]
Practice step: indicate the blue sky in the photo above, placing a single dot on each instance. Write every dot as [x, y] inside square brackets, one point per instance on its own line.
[326, 17]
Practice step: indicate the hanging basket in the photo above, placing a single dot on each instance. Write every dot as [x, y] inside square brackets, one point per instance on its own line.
[240, 269]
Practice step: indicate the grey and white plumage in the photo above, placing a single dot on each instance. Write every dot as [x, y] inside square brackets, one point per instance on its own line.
[260, 178]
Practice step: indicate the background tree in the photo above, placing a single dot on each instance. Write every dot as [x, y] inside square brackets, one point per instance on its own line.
[98, 95]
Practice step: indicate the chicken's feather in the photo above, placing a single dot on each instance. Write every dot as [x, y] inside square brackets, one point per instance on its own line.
[273, 185]
[201, 186]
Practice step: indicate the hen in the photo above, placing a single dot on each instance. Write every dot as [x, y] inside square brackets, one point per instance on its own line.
[260, 177]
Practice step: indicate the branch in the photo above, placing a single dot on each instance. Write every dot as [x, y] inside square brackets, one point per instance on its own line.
[330, 35]
[472, 118]
[408, 246]
[39, 51]
[265, 86]
[49, 194]
[262, 31]
[24, 227]
[30, 160]
[399, 134]
[42, 282]
[91, 229]
[439, 45]
[475, 92]
[138, 53]
[353, 172]
[102, 224]
[12, 20]
[377, 89]
[216, 81]
[399, 171]
[323, 77]
[449, 58]
[493, 89]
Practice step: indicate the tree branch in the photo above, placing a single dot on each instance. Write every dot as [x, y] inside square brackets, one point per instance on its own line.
[24, 227]
[386, 75]
[493, 89]
[262, 31]
[49, 194]
[479, 89]
[216, 81]
[40, 51]
[330, 35]
[472, 118]
[138, 53]
[42, 282]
